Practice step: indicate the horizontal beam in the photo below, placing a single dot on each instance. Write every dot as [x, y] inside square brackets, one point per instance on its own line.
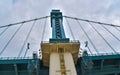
[99, 57]
[15, 61]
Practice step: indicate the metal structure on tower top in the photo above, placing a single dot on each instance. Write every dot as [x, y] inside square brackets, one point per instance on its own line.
[58, 34]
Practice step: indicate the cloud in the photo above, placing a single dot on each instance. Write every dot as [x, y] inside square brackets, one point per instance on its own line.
[98, 10]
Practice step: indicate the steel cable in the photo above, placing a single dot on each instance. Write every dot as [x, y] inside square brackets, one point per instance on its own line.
[11, 39]
[111, 33]
[117, 29]
[13, 24]
[21, 50]
[4, 31]
[70, 29]
[103, 38]
[92, 21]
[87, 36]
[44, 29]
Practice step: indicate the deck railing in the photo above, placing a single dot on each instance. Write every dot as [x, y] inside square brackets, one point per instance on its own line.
[14, 58]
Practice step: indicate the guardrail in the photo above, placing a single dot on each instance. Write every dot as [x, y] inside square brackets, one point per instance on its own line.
[106, 67]
[102, 54]
[71, 41]
[14, 58]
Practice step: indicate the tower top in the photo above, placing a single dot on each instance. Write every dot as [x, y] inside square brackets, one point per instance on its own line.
[58, 33]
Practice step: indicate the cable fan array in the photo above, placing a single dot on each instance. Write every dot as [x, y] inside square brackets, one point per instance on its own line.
[79, 26]
[20, 26]
[92, 24]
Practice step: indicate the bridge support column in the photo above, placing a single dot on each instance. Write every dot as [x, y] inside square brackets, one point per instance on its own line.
[101, 67]
[54, 64]
[69, 64]
[62, 65]
[15, 67]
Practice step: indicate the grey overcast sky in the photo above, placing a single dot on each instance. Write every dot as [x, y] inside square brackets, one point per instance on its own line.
[12, 11]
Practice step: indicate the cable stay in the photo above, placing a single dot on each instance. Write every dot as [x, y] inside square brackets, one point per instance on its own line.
[87, 36]
[70, 29]
[11, 39]
[117, 29]
[3, 31]
[21, 50]
[111, 33]
[43, 32]
[13, 24]
[92, 21]
[103, 38]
